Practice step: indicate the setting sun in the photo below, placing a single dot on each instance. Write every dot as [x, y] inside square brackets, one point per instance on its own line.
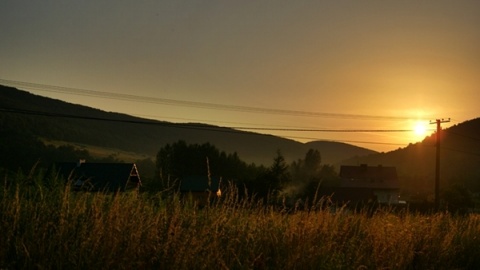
[420, 129]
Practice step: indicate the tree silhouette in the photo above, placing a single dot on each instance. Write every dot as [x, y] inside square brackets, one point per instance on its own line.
[309, 174]
[180, 159]
[275, 177]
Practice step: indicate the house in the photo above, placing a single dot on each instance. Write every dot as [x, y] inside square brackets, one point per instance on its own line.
[99, 176]
[200, 188]
[367, 184]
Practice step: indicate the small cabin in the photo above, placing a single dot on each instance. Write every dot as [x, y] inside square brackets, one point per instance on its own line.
[361, 184]
[106, 177]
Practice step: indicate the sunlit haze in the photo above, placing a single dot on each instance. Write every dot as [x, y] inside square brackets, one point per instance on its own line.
[420, 129]
[316, 69]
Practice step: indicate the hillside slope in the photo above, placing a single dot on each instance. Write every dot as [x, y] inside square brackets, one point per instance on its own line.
[61, 121]
[459, 160]
[336, 152]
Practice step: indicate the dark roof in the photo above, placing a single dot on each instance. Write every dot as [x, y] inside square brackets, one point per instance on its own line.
[199, 184]
[99, 176]
[373, 177]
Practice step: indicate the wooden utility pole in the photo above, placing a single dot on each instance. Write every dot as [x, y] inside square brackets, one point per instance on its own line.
[437, 163]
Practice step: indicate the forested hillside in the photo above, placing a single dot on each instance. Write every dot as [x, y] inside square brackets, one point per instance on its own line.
[52, 119]
[459, 162]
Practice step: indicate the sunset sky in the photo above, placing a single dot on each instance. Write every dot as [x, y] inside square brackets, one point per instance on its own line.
[350, 65]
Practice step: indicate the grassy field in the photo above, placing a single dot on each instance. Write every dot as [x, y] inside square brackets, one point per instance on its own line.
[51, 227]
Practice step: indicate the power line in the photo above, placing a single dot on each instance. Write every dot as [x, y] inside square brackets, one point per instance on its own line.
[247, 127]
[191, 120]
[463, 135]
[324, 130]
[195, 104]
[461, 151]
[383, 143]
[263, 126]
[222, 129]
[196, 126]
[147, 122]
[342, 141]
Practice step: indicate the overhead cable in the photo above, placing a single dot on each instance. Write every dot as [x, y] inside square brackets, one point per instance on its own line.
[195, 104]
[195, 126]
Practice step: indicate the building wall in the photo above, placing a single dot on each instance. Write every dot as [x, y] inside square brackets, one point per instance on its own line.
[386, 196]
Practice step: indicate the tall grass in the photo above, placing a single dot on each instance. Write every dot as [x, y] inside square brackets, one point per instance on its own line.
[55, 228]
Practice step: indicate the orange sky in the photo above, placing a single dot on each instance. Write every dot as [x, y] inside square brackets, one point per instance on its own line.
[397, 61]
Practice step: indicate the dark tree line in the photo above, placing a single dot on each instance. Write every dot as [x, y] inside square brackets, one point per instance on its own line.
[309, 174]
[180, 159]
[300, 178]
[20, 152]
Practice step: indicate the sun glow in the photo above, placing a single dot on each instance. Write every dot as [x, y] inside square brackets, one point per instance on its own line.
[420, 129]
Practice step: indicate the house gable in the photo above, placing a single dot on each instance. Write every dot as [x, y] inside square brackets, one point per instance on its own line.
[100, 176]
[372, 177]
[368, 183]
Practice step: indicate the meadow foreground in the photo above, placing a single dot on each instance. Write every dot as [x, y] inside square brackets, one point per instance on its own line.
[56, 228]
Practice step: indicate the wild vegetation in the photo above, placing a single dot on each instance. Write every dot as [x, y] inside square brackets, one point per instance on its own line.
[46, 225]
[279, 180]
[260, 224]
[33, 126]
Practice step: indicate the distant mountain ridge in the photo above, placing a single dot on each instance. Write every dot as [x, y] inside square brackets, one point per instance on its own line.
[58, 120]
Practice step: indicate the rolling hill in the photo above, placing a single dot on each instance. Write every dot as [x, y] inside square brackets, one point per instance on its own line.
[59, 121]
[416, 163]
